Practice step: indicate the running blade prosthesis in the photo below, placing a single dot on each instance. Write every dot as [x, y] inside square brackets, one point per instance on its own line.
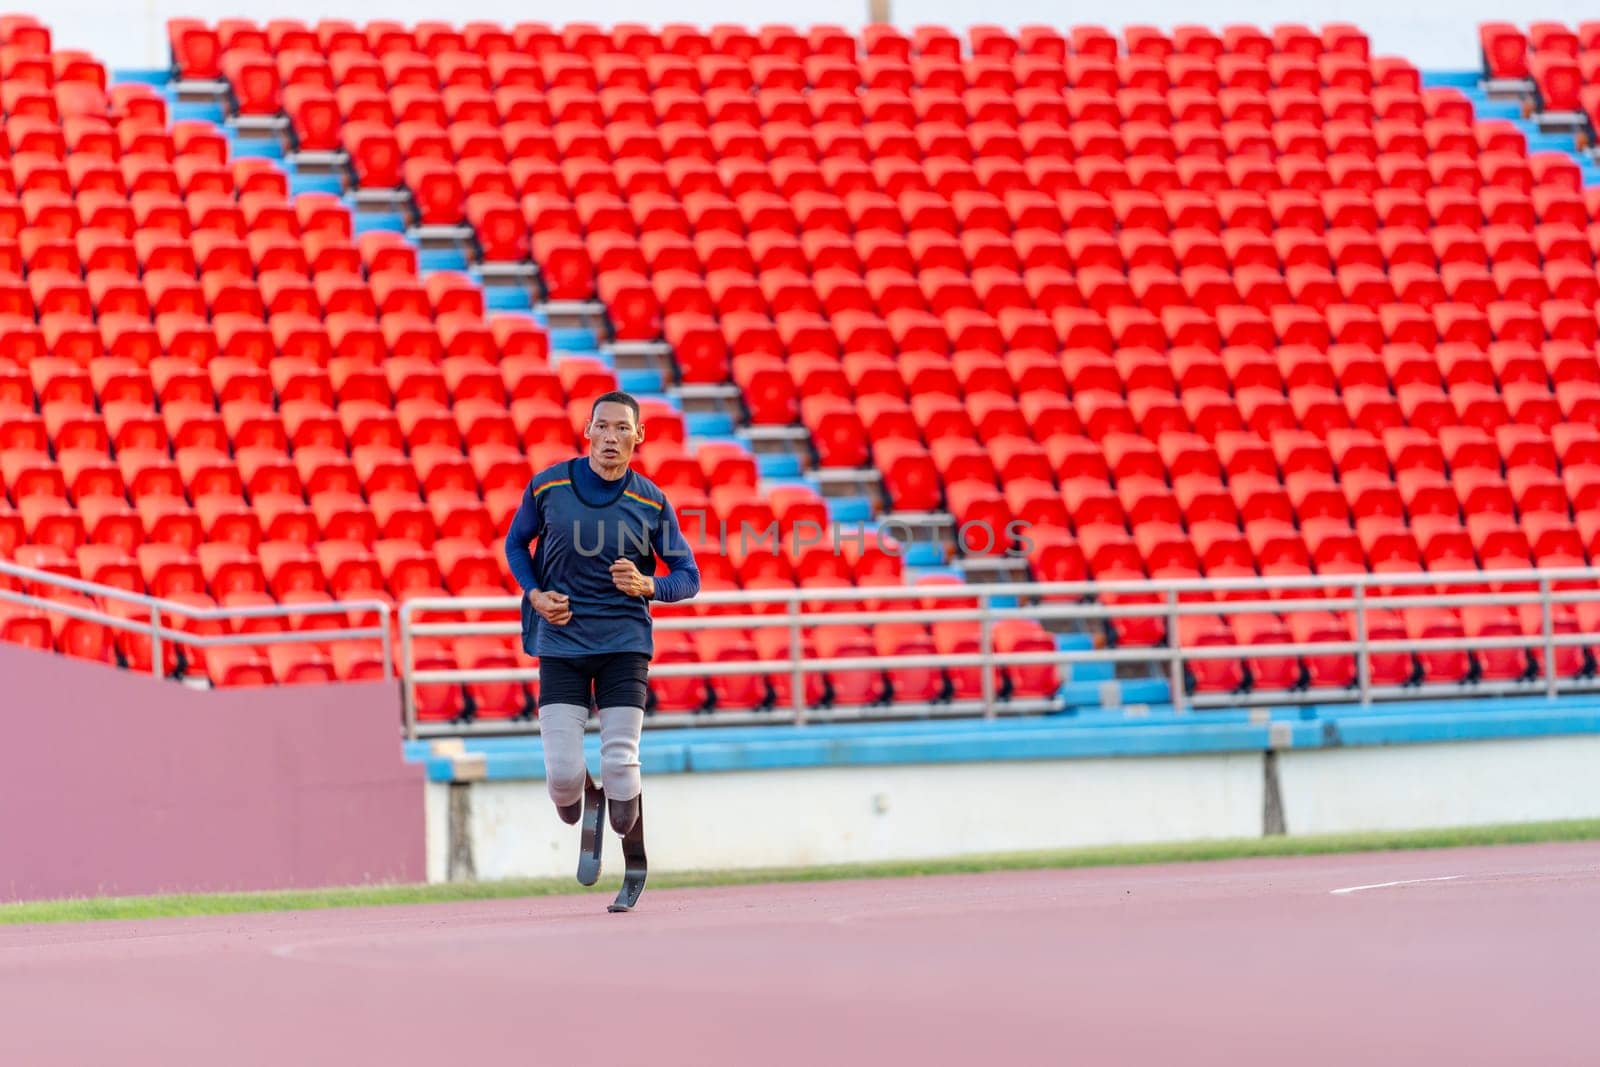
[635, 865]
[594, 812]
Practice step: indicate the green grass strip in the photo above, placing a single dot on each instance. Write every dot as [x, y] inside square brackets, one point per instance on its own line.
[158, 907]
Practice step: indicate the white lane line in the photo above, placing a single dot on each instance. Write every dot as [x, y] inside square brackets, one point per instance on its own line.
[1385, 885]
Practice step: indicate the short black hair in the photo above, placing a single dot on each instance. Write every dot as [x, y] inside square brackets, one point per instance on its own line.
[616, 398]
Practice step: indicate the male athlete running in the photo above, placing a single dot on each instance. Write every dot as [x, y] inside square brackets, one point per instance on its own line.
[588, 584]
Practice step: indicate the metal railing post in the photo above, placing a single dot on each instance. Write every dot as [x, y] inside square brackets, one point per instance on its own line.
[408, 697]
[1363, 656]
[1548, 622]
[797, 676]
[155, 641]
[385, 650]
[1175, 664]
[986, 649]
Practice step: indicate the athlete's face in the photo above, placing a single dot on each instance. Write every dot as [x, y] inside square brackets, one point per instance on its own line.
[613, 434]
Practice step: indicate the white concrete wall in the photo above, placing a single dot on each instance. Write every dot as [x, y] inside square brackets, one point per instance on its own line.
[854, 815]
[1431, 35]
[436, 810]
[1404, 787]
[796, 818]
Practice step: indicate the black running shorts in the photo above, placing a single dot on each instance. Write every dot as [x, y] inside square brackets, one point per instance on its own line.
[611, 680]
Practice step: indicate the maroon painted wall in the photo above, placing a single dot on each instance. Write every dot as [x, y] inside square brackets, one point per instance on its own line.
[115, 783]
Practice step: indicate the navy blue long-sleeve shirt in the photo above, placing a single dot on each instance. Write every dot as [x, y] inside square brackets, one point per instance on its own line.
[583, 523]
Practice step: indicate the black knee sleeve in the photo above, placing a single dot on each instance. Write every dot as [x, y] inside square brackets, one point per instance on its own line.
[623, 814]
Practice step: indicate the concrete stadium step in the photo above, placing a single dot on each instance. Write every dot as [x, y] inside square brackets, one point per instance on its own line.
[642, 355]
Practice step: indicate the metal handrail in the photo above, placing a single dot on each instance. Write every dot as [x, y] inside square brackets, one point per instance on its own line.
[1169, 600]
[988, 605]
[1149, 586]
[159, 631]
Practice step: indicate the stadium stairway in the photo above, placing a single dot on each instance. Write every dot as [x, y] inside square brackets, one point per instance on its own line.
[1491, 102]
[576, 331]
[712, 414]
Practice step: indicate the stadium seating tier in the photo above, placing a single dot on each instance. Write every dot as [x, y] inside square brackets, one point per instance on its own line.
[1223, 304]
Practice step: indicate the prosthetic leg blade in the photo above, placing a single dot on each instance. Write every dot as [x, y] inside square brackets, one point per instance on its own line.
[594, 814]
[636, 867]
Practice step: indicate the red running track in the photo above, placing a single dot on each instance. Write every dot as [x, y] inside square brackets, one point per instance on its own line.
[1243, 962]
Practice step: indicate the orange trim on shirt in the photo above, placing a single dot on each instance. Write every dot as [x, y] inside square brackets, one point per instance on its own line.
[640, 499]
[552, 485]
